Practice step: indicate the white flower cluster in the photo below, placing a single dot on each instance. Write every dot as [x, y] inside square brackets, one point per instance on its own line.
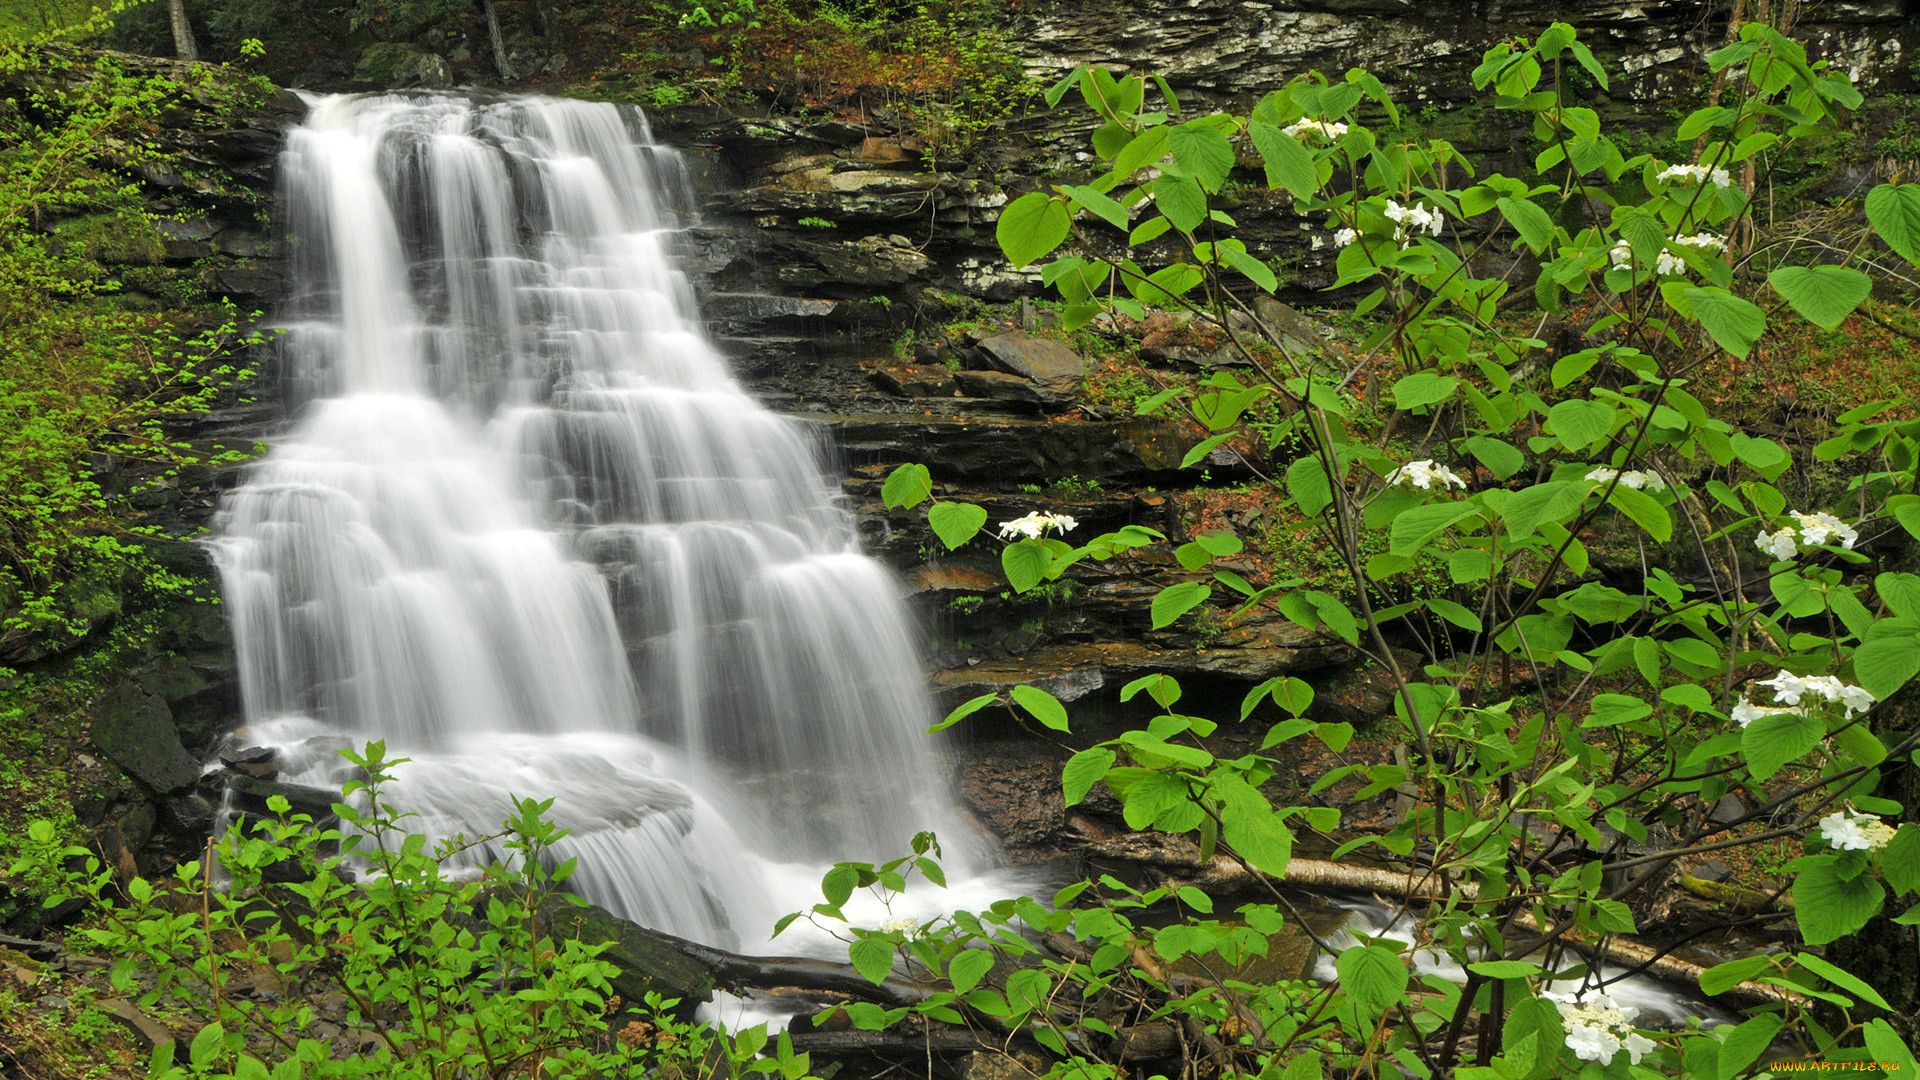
[900, 926]
[1331, 129]
[1035, 524]
[1345, 237]
[1426, 474]
[1850, 830]
[1815, 529]
[1411, 219]
[1597, 1029]
[1666, 262]
[1789, 689]
[1695, 173]
[1632, 478]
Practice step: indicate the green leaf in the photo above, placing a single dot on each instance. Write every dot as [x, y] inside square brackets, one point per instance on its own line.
[1744, 1044]
[1826, 295]
[1733, 323]
[1031, 227]
[1884, 665]
[1580, 423]
[1373, 974]
[1841, 978]
[1900, 860]
[1026, 563]
[964, 711]
[1202, 150]
[956, 523]
[1533, 224]
[1176, 600]
[1894, 213]
[1644, 509]
[1423, 388]
[1829, 908]
[1504, 969]
[1289, 164]
[1044, 706]
[1181, 200]
[1496, 455]
[1105, 208]
[1886, 1045]
[1307, 483]
[1083, 770]
[907, 486]
[1415, 527]
[872, 957]
[1251, 268]
[967, 969]
[1772, 741]
[1721, 978]
[1533, 1021]
[208, 1046]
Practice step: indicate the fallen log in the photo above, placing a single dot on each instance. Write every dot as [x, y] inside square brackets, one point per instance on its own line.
[1171, 853]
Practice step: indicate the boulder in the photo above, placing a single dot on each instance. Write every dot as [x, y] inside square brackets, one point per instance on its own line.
[1000, 386]
[394, 64]
[1043, 360]
[134, 729]
[648, 961]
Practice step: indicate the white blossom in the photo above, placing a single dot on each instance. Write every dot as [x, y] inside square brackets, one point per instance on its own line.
[1035, 524]
[1789, 688]
[1633, 478]
[1746, 712]
[1669, 263]
[1818, 528]
[1598, 1028]
[1425, 474]
[1622, 255]
[1850, 830]
[1703, 241]
[1696, 174]
[1330, 128]
[1780, 545]
[1409, 220]
[1345, 237]
[900, 926]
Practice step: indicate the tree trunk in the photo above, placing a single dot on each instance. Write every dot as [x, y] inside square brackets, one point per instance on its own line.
[499, 43]
[183, 43]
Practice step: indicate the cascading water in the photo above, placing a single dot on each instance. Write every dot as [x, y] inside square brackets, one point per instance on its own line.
[533, 534]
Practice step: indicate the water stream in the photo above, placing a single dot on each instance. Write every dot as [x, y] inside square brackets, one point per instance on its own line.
[530, 531]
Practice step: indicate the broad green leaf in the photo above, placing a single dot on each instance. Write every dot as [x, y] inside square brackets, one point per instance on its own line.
[1423, 388]
[1772, 741]
[1499, 457]
[1416, 526]
[1203, 151]
[964, 711]
[1083, 770]
[1721, 978]
[1644, 509]
[1829, 908]
[1886, 1045]
[966, 970]
[1373, 974]
[872, 957]
[907, 486]
[1883, 665]
[1176, 600]
[1826, 295]
[1031, 227]
[1026, 563]
[1894, 213]
[1307, 483]
[1841, 978]
[208, 1046]
[1181, 200]
[1580, 423]
[1744, 1044]
[1533, 224]
[1044, 706]
[1289, 164]
[1733, 323]
[1100, 205]
[1900, 860]
[956, 523]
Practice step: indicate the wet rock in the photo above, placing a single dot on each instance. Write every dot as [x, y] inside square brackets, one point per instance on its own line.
[647, 961]
[147, 1032]
[1045, 361]
[1016, 796]
[397, 65]
[134, 730]
[1000, 449]
[257, 762]
[1000, 386]
[915, 380]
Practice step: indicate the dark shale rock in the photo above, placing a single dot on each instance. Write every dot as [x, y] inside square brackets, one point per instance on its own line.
[397, 65]
[1045, 361]
[1000, 386]
[134, 729]
[647, 961]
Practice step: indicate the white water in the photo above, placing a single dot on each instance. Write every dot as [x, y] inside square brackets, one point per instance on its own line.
[532, 533]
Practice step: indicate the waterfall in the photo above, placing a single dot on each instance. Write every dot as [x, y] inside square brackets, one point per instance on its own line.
[531, 532]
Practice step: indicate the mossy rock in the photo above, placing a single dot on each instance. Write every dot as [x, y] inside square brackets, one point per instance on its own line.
[396, 64]
[649, 962]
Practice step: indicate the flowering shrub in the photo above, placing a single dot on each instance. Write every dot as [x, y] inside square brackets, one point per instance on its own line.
[1548, 700]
